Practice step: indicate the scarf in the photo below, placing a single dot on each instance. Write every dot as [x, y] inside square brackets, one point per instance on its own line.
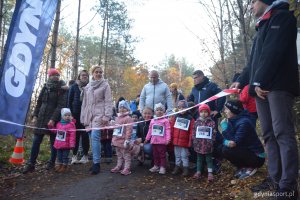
[201, 85]
[96, 83]
[53, 85]
[64, 122]
[81, 85]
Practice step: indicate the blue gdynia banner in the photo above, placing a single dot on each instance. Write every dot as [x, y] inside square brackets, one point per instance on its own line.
[26, 40]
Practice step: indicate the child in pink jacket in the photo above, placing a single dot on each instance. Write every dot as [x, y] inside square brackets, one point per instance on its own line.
[65, 139]
[160, 135]
[121, 139]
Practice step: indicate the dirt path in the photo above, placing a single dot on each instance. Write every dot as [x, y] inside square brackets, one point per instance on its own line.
[141, 184]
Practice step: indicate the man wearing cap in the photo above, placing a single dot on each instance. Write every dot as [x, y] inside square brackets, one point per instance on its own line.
[272, 74]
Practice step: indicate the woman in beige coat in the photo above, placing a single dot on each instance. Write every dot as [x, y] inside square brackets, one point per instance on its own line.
[96, 111]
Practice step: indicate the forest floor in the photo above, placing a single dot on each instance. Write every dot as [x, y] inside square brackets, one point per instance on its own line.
[77, 183]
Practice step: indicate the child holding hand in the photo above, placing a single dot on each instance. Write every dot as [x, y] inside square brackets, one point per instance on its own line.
[159, 135]
[65, 138]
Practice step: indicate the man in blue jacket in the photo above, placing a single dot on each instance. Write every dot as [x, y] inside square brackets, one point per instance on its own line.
[273, 77]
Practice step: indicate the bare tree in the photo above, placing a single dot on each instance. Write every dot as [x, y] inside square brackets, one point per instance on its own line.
[55, 35]
[75, 63]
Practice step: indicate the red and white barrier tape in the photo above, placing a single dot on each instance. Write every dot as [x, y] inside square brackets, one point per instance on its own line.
[223, 93]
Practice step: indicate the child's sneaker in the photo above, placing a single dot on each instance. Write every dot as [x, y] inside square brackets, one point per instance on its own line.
[154, 169]
[248, 172]
[116, 169]
[162, 170]
[74, 160]
[84, 160]
[125, 172]
[210, 177]
[197, 175]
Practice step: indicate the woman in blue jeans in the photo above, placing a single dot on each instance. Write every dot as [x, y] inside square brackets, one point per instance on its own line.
[96, 111]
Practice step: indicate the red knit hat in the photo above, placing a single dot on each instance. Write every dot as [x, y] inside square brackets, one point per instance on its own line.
[204, 107]
[52, 72]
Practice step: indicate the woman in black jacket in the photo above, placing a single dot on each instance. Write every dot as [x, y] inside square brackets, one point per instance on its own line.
[74, 102]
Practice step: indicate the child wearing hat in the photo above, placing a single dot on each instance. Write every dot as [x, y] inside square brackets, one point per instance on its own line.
[182, 131]
[65, 139]
[204, 135]
[121, 139]
[159, 135]
[242, 146]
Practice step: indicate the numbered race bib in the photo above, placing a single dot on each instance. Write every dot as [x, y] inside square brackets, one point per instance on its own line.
[204, 132]
[158, 130]
[61, 135]
[182, 123]
[118, 131]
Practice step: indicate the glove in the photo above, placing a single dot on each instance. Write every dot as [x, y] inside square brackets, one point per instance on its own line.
[224, 124]
[126, 144]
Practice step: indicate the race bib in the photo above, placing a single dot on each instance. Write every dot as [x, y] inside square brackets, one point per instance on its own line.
[182, 123]
[118, 131]
[204, 132]
[61, 135]
[158, 130]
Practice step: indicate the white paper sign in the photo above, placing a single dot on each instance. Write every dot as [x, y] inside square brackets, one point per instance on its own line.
[61, 135]
[158, 130]
[182, 123]
[118, 131]
[204, 132]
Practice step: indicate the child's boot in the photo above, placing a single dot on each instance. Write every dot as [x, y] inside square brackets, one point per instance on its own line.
[210, 177]
[58, 167]
[185, 171]
[197, 175]
[62, 169]
[126, 171]
[176, 170]
[162, 170]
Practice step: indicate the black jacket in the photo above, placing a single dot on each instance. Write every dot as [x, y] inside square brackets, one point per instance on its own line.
[74, 102]
[273, 60]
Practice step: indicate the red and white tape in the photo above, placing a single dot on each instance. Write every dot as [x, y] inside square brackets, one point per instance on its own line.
[223, 93]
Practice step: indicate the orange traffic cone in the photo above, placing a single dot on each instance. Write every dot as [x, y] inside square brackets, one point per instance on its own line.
[18, 155]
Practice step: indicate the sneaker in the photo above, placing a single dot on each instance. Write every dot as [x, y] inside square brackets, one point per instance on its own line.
[197, 175]
[83, 160]
[50, 165]
[28, 168]
[210, 177]
[74, 160]
[248, 172]
[154, 169]
[162, 170]
[116, 169]
[125, 172]
[239, 172]
[266, 185]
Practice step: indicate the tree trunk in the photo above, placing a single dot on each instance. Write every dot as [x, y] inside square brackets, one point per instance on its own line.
[55, 35]
[243, 29]
[231, 37]
[1, 16]
[106, 47]
[103, 31]
[75, 64]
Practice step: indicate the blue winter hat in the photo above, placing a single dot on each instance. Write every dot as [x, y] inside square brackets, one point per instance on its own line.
[65, 111]
[124, 104]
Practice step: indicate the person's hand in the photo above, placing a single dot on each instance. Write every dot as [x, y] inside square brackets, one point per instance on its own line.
[104, 122]
[235, 85]
[231, 144]
[224, 124]
[261, 93]
[214, 113]
[146, 141]
[51, 123]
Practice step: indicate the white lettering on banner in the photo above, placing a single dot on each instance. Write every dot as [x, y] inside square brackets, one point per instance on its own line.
[21, 56]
